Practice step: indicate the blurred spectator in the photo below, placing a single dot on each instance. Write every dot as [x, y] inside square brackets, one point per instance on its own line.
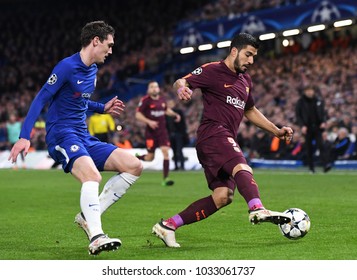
[4, 144]
[178, 135]
[260, 146]
[121, 140]
[295, 149]
[351, 152]
[13, 132]
[311, 117]
[340, 145]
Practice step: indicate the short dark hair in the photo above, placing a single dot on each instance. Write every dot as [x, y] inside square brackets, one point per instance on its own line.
[242, 40]
[95, 28]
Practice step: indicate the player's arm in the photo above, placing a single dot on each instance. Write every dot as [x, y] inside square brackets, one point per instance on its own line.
[23, 144]
[182, 88]
[114, 107]
[151, 123]
[258, 119]
[171, 113]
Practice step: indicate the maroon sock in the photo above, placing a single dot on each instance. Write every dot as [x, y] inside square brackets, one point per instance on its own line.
[246, 185]
[198, 210]
[142, 157]
[166, 168]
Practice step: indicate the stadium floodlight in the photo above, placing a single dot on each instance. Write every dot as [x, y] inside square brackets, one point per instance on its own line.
[223, 44]
[285, 42]
[187, 50]
[267, 36]
[205, 47]
[315, 28]
[341, 23]
[291, 32]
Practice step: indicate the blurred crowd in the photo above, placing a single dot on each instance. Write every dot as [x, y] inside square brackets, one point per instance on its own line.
[237, 8]
[36, 42]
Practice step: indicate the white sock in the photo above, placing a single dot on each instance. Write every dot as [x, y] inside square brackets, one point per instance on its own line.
[90, 207]
[114, 189]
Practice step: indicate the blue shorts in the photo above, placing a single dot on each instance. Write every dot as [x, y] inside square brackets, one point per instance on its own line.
[73, 145]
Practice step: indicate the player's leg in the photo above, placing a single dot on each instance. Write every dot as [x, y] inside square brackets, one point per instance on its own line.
[310, 151]
[248, 188]
[211, 157]
[223, 190]
[72, 154]
[129, 169]
[87, 173]
[150, 147]
[166, 166]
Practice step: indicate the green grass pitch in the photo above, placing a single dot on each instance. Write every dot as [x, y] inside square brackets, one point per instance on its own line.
[38, 209]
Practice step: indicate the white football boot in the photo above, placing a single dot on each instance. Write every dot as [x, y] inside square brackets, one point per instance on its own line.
[264, 215]
[166, 234]
[103, 243]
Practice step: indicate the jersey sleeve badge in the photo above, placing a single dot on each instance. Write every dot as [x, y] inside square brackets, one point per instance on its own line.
[197, 71]
[52, 79]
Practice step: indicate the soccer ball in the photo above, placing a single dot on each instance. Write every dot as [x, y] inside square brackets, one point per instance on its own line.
[299, 225]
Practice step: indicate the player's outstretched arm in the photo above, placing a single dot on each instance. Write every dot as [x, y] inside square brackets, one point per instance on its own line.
[258, 119]
[21, 145]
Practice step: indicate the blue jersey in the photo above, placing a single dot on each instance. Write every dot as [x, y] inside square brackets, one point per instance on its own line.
[67, 91]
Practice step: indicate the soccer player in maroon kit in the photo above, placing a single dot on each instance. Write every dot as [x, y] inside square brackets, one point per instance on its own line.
[152, 110]
[227, 97]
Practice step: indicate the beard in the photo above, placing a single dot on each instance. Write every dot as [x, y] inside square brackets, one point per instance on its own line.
[238, 67]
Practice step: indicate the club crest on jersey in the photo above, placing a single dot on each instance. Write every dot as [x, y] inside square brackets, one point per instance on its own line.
[74, 148]
[52, 79]
[197, 71]
[247, 90]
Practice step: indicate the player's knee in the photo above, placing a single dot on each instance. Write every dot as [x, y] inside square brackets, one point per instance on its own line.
[137, 167]
[133, 166]
[149, 157]
[240, 167]
[222, 197]
[226, 200]
[93, 176]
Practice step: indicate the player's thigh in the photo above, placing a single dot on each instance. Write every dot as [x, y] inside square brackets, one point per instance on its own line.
[122, 161]
[84, 170]
[215, 152]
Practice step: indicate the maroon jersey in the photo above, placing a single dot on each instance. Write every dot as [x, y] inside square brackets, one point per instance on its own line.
[155, 110]
[226, 95]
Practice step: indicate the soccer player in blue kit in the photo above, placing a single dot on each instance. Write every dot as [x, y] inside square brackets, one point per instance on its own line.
[68, 91]
[227, 94]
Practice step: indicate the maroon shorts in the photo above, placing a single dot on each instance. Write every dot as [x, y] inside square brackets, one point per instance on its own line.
[156, 141]
[218, 156]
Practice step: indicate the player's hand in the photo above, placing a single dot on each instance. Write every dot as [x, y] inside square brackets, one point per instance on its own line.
[184, 93]
[153, 124]
[114, 107]
[177, 118]
[21, 145]
[286, 134]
